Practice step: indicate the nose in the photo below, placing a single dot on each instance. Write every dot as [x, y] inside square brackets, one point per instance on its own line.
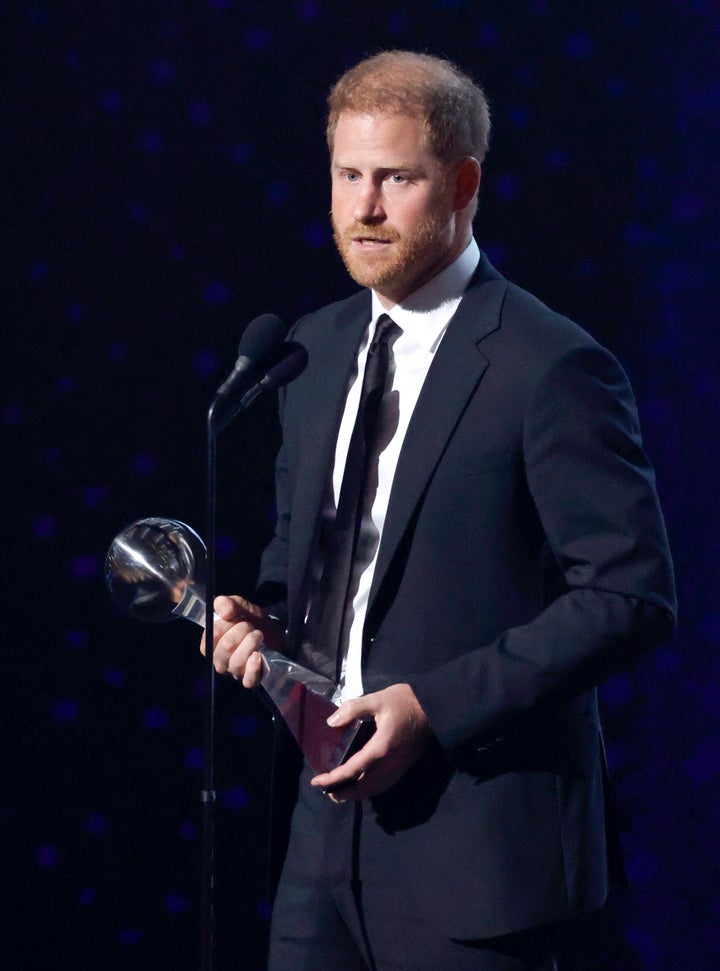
[368, 204]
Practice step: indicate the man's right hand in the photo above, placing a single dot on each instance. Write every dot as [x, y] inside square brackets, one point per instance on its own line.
[237, 636]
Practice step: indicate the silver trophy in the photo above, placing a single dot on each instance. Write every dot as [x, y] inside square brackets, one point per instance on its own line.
[155, 569]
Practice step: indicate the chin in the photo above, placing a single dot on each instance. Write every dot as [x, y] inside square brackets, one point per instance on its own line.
[375, 276]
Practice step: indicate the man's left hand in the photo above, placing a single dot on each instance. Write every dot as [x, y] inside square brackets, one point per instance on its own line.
[401, 735]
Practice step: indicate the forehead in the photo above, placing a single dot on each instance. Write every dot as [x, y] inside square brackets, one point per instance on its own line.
[390, 138]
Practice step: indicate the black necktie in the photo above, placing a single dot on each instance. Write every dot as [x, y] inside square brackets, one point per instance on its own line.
[324, 627]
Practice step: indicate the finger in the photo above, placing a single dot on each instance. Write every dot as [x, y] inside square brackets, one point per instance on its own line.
[226, 643]
[358, 708]
[349, 772]
[253, 670]
[228, 608]
[241, 651]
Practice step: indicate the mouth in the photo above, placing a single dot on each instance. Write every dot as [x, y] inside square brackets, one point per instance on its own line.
[370, 242]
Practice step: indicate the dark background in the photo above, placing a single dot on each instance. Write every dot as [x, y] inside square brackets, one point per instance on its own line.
[165, 182]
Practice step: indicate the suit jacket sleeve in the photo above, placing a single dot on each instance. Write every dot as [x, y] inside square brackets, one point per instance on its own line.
[608, 571]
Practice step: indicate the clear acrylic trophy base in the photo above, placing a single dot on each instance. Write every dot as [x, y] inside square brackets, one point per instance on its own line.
[154, 570]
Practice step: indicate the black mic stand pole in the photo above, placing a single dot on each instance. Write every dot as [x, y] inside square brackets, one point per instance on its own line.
[291, 362]
[208, 795]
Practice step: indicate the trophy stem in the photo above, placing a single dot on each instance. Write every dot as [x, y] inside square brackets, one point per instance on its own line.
[303, 697]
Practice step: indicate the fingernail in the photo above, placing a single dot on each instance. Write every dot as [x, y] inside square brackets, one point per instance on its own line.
[333, 719]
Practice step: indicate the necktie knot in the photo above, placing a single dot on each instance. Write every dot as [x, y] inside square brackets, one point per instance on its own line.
[385, 327]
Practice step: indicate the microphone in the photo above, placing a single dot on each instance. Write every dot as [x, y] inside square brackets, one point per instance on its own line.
[292, 361]
[261, 336]
[259, 339]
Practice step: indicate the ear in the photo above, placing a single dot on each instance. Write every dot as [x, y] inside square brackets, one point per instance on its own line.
[467, 181]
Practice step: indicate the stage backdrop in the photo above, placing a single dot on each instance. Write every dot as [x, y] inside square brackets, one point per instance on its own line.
[166, 181]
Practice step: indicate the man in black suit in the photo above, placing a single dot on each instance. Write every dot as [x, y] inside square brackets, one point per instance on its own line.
[510, 554]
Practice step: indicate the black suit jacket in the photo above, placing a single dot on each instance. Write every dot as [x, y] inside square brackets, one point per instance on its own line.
[523, 560]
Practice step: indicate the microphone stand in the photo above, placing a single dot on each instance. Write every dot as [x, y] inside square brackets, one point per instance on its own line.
[220, 413]
[208, 795]
[291, 360]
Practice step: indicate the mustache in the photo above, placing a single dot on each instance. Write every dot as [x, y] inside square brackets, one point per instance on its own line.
[387, 234]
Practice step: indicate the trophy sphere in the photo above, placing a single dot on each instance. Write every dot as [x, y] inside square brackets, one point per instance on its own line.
[152, 567]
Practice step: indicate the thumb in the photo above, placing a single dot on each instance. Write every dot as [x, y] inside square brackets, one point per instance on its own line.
[236, 608]
[348, 712]
[224, 607]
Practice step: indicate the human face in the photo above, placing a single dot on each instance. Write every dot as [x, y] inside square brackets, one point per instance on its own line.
[394, 212]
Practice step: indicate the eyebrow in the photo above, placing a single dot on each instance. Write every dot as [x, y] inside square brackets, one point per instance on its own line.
[407, 168]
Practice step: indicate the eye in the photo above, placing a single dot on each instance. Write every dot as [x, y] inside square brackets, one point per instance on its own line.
[397, 178]
[351, 176]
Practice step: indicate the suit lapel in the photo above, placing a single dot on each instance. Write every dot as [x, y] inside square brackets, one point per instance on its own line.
[455, 372]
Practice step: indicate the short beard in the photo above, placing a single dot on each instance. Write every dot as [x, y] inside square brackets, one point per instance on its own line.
[409, 260]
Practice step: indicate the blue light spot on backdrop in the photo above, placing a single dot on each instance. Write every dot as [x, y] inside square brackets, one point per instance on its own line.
[95, 824]
[144, 464]
[38, 270]
[112, 102]
[244, 726]
[163, 72]
[278, 193]
[216, 293]
[642, 865]
[616, 87]
[47, 857]
[488, 35]
[94, 496]
[76, 638]
[151, 141]
[257, 38]
[308, 10]
[316, 234]
[84, 566]
[241, 153]
[117, 351]
[225, 546]
[619, 690]
[507, 187]
[130, 936]
[138, 211]
[115, 678]
[579, 46]
[709, 627]
[519, 116]
[638, 235]
[556, 158]
[205, 363]
[65, 710]
[200, 112]
[193, 758]
[188, 830]
[176, 903]
[44, 526]
[235, 798]
[155, 718]
[704, 762]
[13, 414]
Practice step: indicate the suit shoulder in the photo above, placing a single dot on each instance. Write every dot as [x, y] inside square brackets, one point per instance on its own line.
[527, 315]
[318, 321]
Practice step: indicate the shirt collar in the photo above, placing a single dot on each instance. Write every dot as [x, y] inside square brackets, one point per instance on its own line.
[427, 312]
